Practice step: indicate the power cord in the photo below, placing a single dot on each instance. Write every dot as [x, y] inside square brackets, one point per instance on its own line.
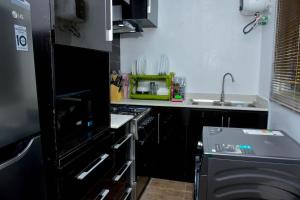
[249, 27]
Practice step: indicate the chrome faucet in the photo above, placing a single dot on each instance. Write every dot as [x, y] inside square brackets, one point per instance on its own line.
[222, 98]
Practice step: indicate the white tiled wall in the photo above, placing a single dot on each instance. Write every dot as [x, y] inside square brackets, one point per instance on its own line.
[204, 40]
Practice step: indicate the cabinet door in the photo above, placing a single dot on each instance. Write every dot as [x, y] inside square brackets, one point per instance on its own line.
[144, 12]
[152, 12]
[171, 149]
[94, 33]
[247, 119]
[214, 118]
[236, 119]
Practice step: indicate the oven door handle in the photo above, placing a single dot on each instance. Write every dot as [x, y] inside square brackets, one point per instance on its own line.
[118, 176]
[119, 144]
[102, 195]
[198, 164]
[84, 173]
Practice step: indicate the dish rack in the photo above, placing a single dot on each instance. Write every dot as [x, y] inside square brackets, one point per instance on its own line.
[134, 79]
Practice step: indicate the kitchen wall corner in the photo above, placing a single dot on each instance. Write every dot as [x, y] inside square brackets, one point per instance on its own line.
[267, 53]
[280, 117]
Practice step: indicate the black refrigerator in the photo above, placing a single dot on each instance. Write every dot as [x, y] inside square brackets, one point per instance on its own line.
[20, 144]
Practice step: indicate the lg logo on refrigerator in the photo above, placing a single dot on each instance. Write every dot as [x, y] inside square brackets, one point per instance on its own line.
[21, 38]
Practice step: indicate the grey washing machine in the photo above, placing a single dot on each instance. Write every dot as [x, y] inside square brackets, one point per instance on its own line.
[247, 164]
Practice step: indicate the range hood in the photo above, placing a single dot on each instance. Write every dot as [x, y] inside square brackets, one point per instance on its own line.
[132, 16]
[126, 26]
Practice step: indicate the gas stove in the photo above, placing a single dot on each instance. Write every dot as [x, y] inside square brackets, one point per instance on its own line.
[128, 110]
[141, 118]
[144, 127]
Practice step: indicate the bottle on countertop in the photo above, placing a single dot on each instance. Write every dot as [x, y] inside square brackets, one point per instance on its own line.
[178, 89]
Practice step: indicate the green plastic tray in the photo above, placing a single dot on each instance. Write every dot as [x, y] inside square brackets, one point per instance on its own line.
[134, 78]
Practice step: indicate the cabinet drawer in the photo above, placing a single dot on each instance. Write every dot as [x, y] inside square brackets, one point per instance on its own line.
[122, 174]
[121, 150]
[108, 191]
[115, 186]
[96, 164]
[127, 194]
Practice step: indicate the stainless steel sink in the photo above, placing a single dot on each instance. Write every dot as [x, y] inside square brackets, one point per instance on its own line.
[202, 101]
[227, 103]
[235, 104]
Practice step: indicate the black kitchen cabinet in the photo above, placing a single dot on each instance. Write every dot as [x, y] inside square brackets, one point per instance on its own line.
[142, 12]
[247, 119]
[73, 97]
[88, 26]
[181, 128]
[169, 147]
[123, 163]
[235, 119]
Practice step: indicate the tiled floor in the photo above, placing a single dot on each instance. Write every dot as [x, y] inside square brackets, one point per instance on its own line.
[159, 189]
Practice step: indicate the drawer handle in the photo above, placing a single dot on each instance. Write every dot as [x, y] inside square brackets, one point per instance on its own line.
[102, 195]
[118, 176]
[84, 173]
[118, 145]
[127, 193]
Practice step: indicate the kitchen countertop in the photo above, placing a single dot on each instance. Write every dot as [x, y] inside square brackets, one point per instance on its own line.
[260, 103]
[119, 120]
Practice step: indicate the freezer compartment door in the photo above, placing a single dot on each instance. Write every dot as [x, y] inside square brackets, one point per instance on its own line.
[18, 103]
[21, 175]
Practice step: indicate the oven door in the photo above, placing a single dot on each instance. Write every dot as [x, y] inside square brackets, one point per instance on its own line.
[197, 177]
[77, 121]
[145, 158]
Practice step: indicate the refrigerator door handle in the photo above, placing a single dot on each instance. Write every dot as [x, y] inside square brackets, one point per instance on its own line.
[18, 157]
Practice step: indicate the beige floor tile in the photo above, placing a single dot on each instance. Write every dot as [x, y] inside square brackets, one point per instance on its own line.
[165, 191]
[159, 189]
[189, 187]
[171, 185]
[188, 196]
[159, 197]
